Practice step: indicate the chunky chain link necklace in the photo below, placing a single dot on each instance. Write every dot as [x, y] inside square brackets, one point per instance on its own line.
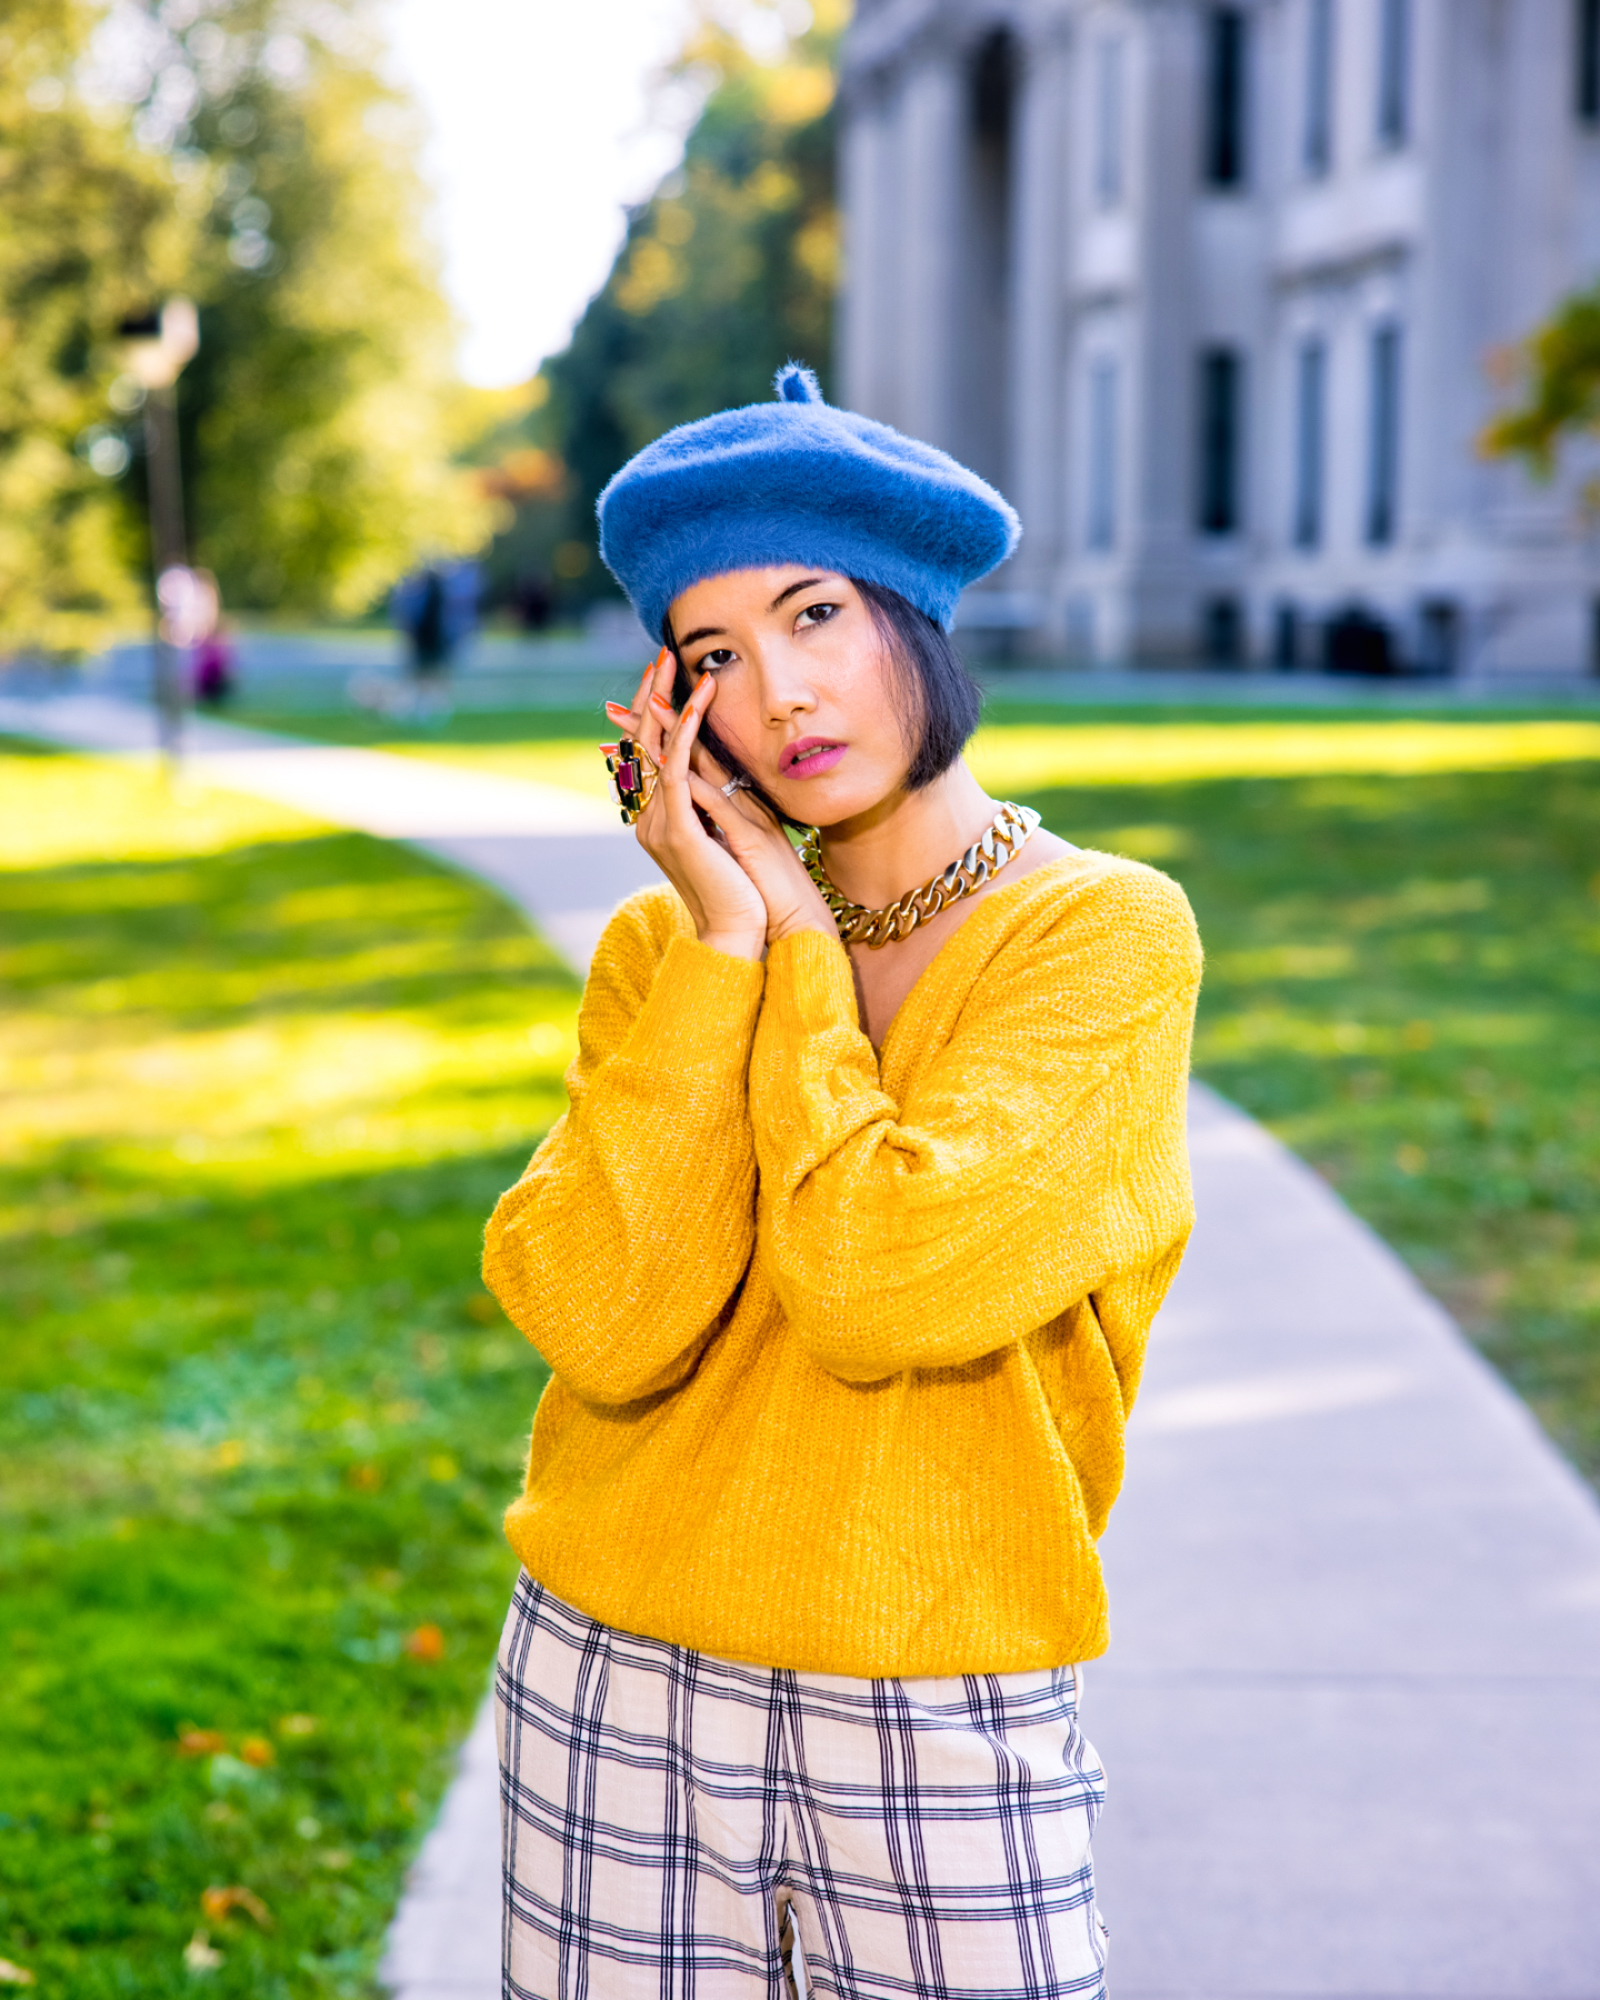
[981, 863]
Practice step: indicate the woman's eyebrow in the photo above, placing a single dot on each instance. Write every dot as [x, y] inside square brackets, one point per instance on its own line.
[702, 632]
[783, 596]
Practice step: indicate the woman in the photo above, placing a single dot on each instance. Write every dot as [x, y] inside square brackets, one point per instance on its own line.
[843, 1260]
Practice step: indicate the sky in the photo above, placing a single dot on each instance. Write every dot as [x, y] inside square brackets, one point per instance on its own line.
[544, 123]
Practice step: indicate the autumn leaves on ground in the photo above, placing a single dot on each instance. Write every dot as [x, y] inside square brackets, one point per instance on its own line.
[257, 1418]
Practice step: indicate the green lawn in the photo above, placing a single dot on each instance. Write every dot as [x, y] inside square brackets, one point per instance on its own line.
[258, 1419]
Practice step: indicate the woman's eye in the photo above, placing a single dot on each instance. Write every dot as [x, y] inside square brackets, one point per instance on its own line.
[724, 656]
[816, 614]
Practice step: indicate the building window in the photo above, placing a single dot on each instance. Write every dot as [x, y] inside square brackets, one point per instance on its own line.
[1587, 53]
[1438, 635]
[1102, 512]
[1221, 454]
[1383, 446]
[1310, 430]
[1222, 632]
[1317, 147]
[1394, 72]
[1108, 89]
[1227, 83]
[1286, 637]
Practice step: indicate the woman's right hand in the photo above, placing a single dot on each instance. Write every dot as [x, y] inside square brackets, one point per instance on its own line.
[726, 906]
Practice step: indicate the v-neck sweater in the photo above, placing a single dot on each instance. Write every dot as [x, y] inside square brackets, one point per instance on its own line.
[842, 1346]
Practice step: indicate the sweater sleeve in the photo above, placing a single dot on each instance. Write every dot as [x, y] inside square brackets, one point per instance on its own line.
[1040, 1156]
[623, 1242]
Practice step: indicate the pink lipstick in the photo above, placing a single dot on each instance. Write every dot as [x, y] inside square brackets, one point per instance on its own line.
[810, 757]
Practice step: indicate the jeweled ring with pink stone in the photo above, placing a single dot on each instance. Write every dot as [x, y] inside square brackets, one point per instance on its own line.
[633, 773]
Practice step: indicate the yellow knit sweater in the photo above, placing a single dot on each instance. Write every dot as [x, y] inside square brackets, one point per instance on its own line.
[842, 1346]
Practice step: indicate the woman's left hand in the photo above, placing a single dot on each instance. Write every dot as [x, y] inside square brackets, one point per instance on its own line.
[744, 827]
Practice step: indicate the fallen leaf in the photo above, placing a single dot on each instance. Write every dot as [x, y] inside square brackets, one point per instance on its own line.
[426, 1644]
[200, 1955]
[201, 1742]
[219, 1904]
[14, 1975]
[258, 1751]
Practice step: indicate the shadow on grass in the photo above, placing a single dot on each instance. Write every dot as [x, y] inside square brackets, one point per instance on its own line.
[205, 941]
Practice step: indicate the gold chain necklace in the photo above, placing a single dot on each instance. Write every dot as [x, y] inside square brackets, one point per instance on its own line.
[981, 863]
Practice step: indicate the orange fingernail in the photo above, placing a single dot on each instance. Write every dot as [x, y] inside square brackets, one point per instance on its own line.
[662, 703]
[616, 708]
[663, 656]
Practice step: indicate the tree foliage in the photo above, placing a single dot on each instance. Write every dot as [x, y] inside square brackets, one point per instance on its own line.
[316, 414]
[249, 153]
[88, 234]
[725, 273]
[1557, 371]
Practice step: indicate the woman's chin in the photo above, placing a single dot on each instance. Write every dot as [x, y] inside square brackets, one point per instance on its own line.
[828, 806]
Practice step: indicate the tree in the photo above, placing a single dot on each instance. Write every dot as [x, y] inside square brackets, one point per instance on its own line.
[316, 416]
[89, 233]
[1558, 372]
[729, 270]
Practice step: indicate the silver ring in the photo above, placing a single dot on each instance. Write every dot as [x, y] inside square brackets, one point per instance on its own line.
[733, 785]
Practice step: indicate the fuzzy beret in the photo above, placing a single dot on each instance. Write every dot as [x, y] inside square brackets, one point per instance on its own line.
[798, 481]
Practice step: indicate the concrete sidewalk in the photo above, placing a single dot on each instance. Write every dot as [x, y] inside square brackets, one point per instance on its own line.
[1352, 1711]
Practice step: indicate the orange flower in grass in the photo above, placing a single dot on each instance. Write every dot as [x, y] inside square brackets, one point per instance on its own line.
[201, 1742]
[425, 1644]
[258, 1751]
[219, 1904]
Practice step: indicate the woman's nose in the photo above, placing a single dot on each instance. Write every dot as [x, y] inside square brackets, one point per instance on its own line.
[785, 691]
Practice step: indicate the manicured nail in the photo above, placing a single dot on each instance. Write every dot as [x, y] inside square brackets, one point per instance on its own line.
[609, 749]
[616, 708]
[662, 703]
[661, 658]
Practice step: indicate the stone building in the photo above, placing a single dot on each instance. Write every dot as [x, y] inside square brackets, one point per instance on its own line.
[1212, 293]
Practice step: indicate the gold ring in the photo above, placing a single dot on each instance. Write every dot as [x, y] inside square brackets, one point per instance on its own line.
[634, 774]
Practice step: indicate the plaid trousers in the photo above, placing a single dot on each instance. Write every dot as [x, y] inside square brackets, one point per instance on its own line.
[671, 1820]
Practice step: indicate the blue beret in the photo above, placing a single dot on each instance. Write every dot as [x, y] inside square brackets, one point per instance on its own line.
[798, 481]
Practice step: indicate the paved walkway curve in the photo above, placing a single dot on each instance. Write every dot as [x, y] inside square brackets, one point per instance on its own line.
[1351, 1713]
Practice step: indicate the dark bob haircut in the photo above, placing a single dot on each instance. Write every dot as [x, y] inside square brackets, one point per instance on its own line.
[941, 699]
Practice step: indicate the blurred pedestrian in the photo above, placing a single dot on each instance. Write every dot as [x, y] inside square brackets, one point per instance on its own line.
[843, 1259]
[214, 657]
[532, 602]
[437, 608]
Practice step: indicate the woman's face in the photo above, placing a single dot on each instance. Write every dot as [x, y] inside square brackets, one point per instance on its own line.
[806, 697]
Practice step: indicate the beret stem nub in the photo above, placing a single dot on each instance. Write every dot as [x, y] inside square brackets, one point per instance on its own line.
[796, 383]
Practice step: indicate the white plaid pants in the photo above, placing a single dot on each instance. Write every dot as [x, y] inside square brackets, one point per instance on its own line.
[667, 1816]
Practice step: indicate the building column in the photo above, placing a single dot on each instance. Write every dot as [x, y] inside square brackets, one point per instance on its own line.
[930, 152]
[1161, 549]
[868, 203]
[1036, 367]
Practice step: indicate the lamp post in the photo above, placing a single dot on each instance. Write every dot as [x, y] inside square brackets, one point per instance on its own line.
[156, 349]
